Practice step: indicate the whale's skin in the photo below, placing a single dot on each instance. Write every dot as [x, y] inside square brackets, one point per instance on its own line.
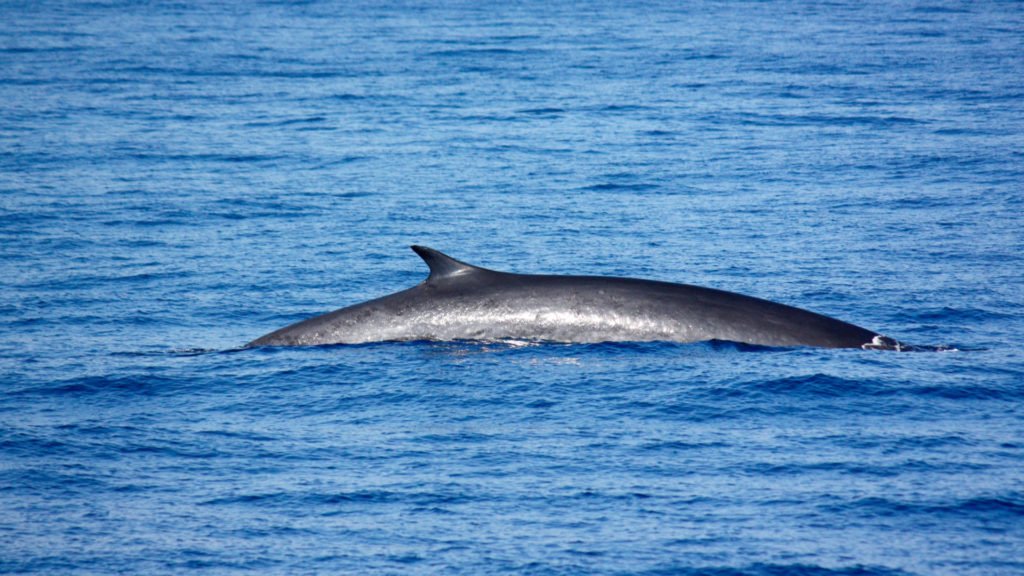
[463, 302]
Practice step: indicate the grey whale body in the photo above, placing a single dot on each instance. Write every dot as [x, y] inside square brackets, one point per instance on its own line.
[459, 301]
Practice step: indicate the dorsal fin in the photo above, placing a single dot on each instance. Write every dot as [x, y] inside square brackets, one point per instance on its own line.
[441, 265]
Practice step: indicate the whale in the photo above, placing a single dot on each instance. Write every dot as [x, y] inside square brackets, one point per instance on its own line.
[460, 301]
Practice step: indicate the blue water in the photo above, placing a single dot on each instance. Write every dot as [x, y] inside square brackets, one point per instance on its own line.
[177, 179]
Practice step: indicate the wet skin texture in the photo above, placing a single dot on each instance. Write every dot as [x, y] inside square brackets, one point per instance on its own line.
[463, 302]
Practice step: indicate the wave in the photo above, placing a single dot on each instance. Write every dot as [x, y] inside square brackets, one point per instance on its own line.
[765, 569]
[1009, 507]
[341, 498]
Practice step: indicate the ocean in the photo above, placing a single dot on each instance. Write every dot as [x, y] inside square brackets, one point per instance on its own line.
[179, 178]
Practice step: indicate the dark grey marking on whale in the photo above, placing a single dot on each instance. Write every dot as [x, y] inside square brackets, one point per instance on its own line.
[459, 301]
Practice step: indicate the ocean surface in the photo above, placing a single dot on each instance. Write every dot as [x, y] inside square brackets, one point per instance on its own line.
[179, 178]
